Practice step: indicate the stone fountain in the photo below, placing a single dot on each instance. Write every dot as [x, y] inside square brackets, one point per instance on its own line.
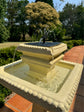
[42, 77]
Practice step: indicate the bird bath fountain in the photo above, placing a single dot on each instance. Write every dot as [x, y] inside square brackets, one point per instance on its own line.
[42, 77]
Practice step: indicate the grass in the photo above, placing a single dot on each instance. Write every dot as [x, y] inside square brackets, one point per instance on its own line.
[9, 44]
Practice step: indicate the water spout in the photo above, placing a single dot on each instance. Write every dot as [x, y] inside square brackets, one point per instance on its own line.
[14, 54]
[40, 40]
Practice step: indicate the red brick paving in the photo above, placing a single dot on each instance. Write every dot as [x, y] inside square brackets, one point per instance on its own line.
[19, 104]
[76, 54]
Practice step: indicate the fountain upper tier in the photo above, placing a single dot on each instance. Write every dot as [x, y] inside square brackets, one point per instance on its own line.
[48, 51]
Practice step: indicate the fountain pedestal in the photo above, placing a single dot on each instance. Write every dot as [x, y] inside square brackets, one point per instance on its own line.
[41, 58]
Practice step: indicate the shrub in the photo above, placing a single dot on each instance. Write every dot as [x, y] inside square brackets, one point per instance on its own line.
[69, 44]
[1, 97]
[72, 43]
[4, 33]
[67, 38]
[77, 42]
[15, 34]
[1, 102]
[6, 56]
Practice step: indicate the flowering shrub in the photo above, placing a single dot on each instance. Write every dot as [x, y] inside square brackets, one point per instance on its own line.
[40, 16]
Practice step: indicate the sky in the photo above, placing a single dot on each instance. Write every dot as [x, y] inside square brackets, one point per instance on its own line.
[62, 4]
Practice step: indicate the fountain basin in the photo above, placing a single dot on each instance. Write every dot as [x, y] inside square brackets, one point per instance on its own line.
[54, 92]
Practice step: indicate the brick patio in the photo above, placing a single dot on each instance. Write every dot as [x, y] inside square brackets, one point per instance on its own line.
[76, 54]
[17, 104]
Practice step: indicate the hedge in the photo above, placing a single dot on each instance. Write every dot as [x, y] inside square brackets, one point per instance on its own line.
[6, 56]
[72, 43]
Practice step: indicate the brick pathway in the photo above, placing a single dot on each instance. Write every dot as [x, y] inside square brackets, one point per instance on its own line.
[76, 54]
[17, 104]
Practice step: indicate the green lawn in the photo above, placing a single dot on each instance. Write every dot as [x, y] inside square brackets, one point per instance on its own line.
[9, 44]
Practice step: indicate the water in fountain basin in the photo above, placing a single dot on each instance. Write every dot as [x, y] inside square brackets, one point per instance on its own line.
[54, 84]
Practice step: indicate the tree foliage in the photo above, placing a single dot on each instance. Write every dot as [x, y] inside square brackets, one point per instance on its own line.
[56, 34]
[12, 7]
[40, 16]
[3, 31]
[50, 2]
[72, 18]
[58, 5]
[15, 34]
[16, 15]
[2, 8]
[22, 18]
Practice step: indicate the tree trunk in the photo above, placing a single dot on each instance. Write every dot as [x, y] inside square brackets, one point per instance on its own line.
[43, 40]
[23, 38]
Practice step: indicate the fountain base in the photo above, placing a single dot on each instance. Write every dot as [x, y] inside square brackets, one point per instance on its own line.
[51, 99]
[42, 77]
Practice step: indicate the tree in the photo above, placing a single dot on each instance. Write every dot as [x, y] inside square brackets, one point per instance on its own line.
[3, 31]
[67, 17]
[56, 34]
[12, 8]
[50, 2]
[41, 15]
[72, 18]
[2, 8]
[21, 18]
[4, 34]
[16, 12]
[59, 4]
[78, 26]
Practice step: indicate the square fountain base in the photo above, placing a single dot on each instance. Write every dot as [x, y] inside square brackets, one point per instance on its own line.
[18, 77]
